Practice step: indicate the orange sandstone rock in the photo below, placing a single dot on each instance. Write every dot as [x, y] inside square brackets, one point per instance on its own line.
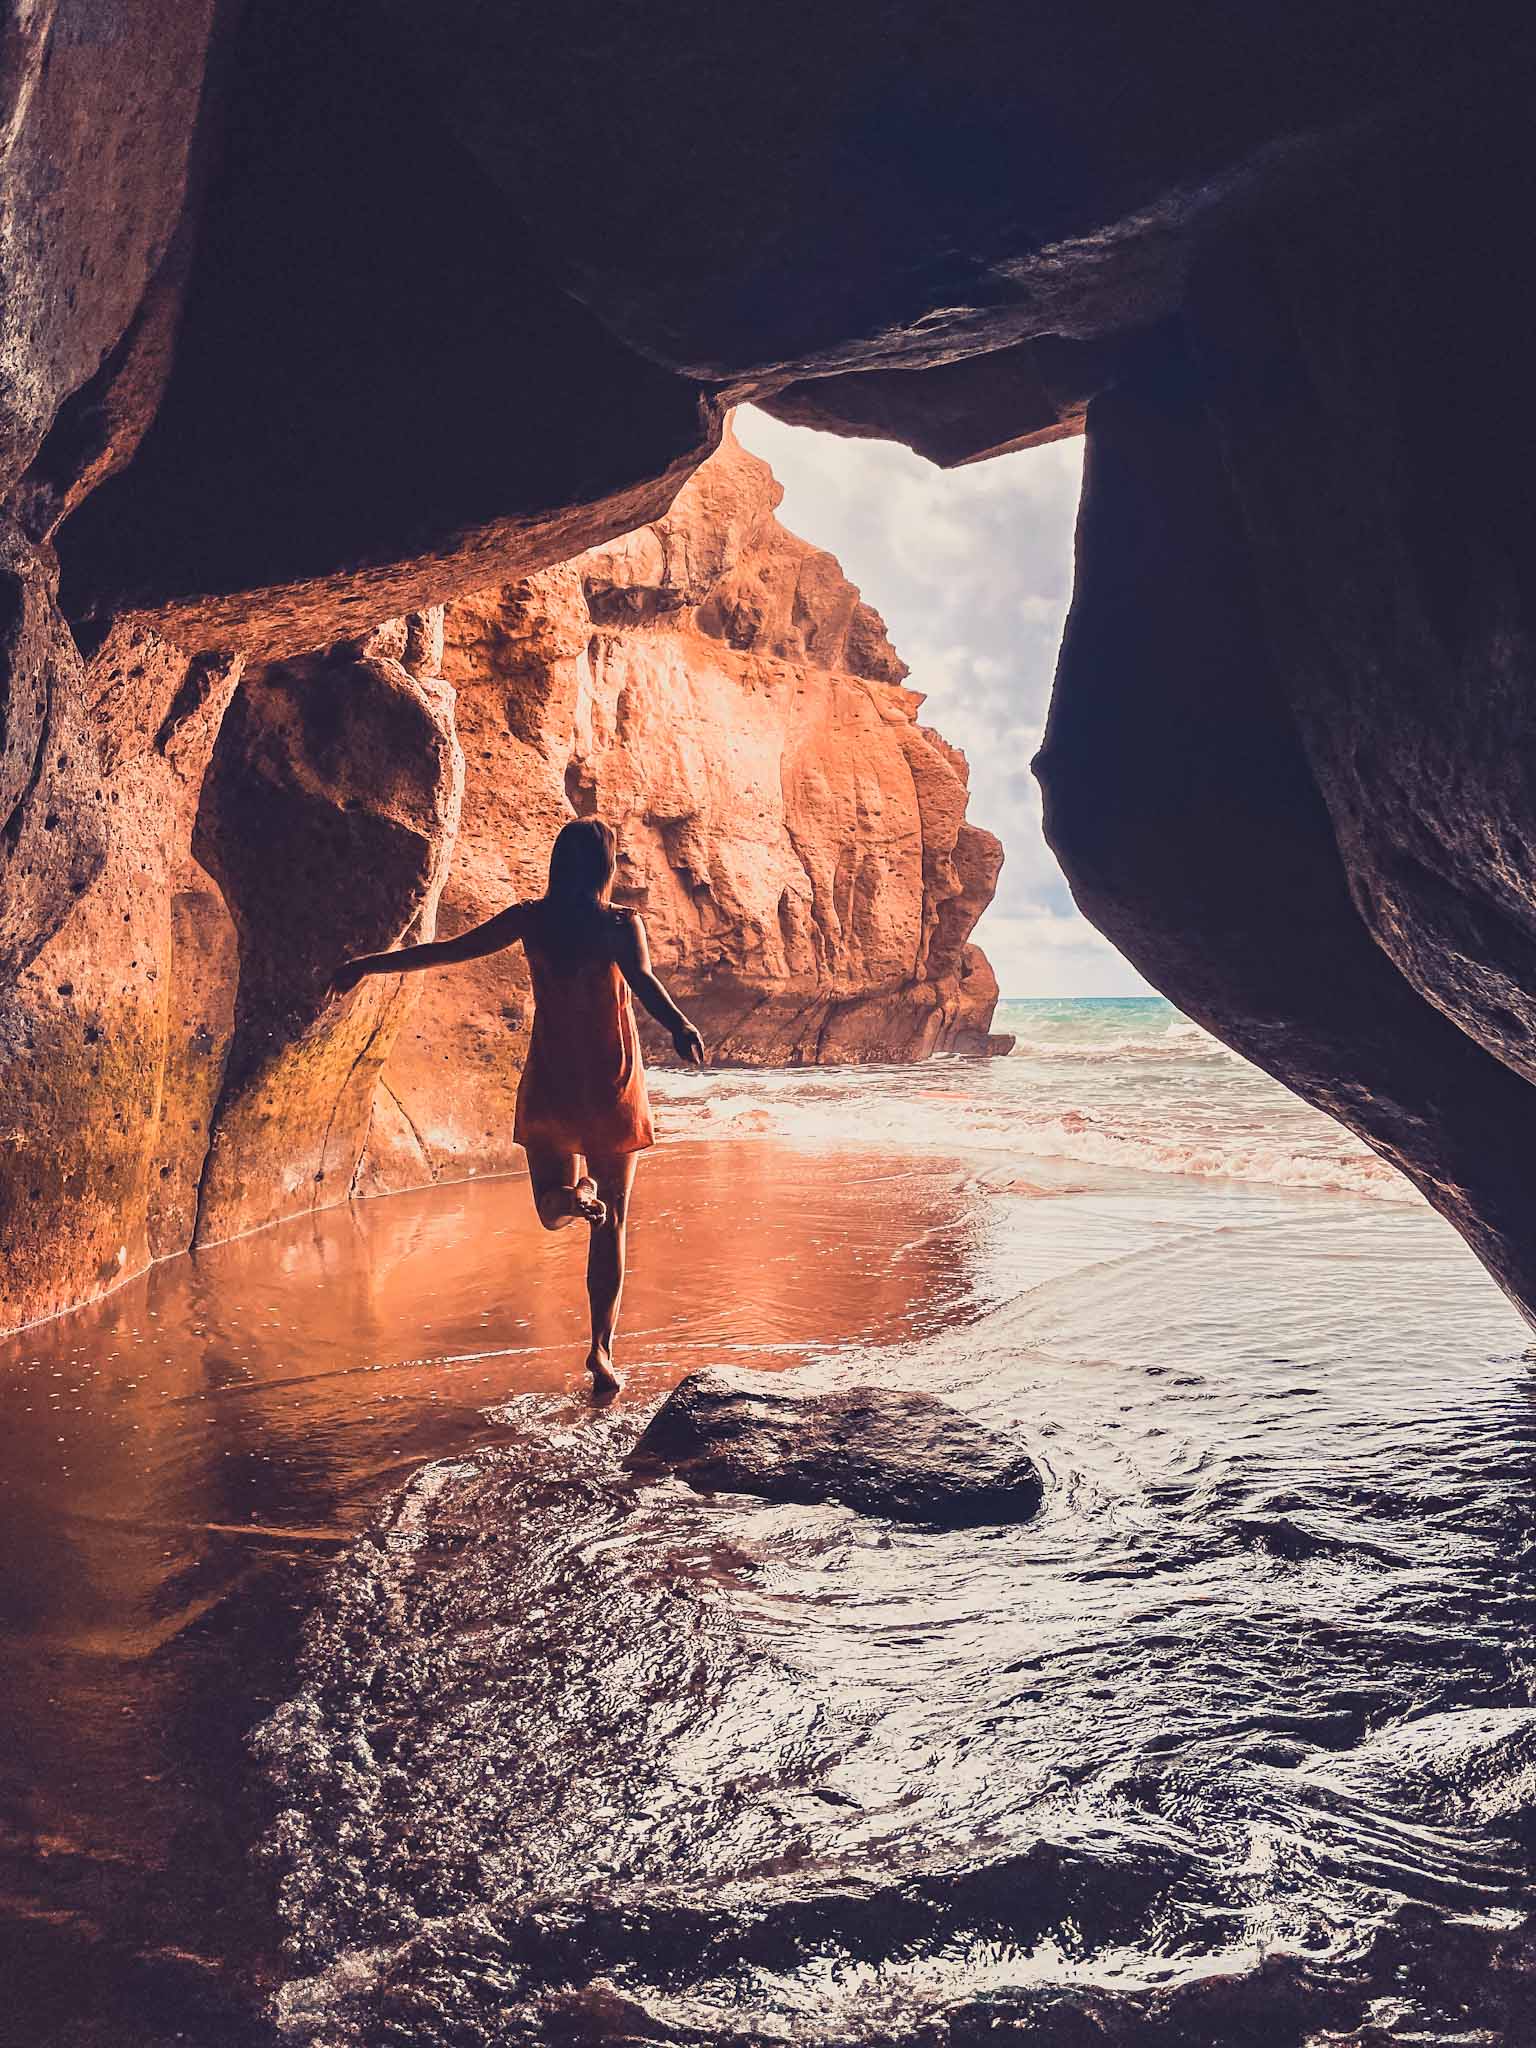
[327, 819]
[113, 1031]
[717, 690]
[174, 1073]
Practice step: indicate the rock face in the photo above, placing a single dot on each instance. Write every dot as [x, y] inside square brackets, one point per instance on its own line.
[315, 317]
[1327, 866]
[879, 1450]
[796, 841]
[327, 819]
[714, 686]
[113, 1023]
[600, 231]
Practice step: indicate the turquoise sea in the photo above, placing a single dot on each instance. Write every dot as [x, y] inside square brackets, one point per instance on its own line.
[1118, 1085]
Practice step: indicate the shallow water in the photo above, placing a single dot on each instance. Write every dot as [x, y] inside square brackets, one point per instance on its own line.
[179, 1463]
[1117, 1082]
[1234, 1743]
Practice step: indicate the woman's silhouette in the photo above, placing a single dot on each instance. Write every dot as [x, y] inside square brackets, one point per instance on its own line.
[582, 1111]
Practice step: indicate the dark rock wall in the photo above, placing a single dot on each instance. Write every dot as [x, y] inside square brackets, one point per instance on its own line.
[1182, 804]
[897, 183]
[1370, 386]
[1287, 764]
[311, 317]
[378, 389]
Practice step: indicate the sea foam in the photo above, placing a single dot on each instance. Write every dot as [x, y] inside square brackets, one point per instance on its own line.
[1126, 1087]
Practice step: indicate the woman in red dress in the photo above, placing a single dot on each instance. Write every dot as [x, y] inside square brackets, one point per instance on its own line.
[583, 1116]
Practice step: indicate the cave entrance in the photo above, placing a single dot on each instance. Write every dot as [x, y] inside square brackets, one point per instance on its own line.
[971, 569]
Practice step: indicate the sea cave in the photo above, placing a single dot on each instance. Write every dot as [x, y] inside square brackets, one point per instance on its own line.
[380, 398]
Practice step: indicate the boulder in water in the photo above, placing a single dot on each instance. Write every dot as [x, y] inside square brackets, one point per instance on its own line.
[882, 1451]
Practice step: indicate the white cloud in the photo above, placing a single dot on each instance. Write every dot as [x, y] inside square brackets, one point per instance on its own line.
[1045, 953]
[972, 570]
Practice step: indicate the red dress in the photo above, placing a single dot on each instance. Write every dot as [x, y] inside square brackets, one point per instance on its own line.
[583, 1089]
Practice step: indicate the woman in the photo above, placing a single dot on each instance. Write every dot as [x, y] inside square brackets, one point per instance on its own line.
[582, 1112]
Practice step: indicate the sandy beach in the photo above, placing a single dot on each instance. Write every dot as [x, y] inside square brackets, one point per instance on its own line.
[341, 1481]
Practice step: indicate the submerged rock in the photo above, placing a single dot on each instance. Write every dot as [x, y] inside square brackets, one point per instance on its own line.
[1461, 1760]
[883, 1451]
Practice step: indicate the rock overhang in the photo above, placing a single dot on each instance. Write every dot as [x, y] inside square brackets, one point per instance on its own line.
[399, 309]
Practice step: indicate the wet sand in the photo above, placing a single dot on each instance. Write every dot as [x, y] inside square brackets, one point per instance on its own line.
[1233, 1744]
[179, 1462]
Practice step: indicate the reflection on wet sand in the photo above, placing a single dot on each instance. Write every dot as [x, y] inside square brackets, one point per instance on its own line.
[180, 1459]
[1255, 1680]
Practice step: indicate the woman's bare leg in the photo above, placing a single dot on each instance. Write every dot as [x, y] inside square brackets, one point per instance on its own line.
[615, 1177]
[561, 1191]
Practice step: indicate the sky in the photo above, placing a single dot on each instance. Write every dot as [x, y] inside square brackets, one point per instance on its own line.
[971, 570]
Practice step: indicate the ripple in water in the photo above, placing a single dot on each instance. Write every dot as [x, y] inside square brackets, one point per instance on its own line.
[1234, 1744]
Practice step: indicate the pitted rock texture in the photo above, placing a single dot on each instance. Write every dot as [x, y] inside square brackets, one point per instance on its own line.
[114, 1024]
[171, 1071]
[99, 134]
[311, 317]
[327, 819]
[882, 1451]
[797, 843]
[714, 686]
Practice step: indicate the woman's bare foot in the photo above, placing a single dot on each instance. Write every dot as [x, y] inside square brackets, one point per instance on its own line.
[605, 1378]
[580, 1204]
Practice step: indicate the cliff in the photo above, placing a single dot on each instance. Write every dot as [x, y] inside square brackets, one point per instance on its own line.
[716, 689]
[312, 317]
[712, 685]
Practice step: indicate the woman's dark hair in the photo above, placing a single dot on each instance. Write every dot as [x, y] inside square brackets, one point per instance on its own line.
[582, 863]
[575, 906]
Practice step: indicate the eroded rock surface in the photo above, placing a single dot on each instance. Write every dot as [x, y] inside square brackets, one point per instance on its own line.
[195, 845]
[880, 1450]
[114, 1028]
[797, 843]
[1286, 739]
[510, 262]
[328, 820]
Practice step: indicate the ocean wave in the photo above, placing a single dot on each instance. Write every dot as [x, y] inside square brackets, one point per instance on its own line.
[950, 1121]
[1182, 1045]
[1267, 1161]
[1124, 1086]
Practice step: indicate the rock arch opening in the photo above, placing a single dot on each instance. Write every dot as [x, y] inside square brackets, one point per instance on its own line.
[1258, 286]
[795, 831]
[366, 503]
[970, 569]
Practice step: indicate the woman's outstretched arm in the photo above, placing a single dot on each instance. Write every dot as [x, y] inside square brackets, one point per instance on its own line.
[633, 954]
[505, 929]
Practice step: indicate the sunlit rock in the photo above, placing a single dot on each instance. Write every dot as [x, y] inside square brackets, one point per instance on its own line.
[115, 1020]
[201, 843]
[327, 819]
[797, 843]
